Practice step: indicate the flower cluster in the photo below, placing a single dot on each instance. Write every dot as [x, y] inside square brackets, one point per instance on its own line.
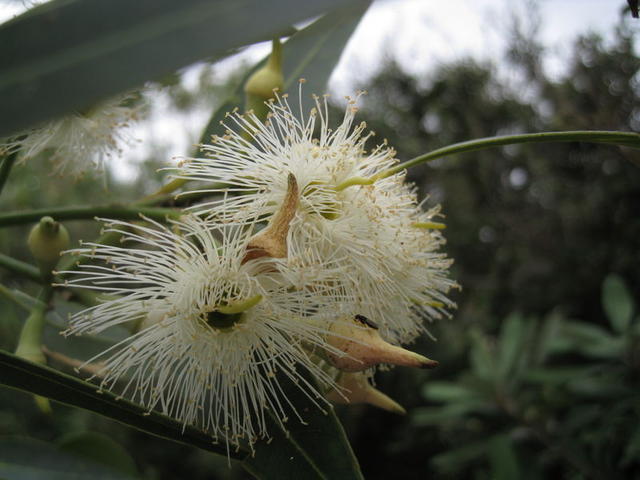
[78, 141]
[310, 258]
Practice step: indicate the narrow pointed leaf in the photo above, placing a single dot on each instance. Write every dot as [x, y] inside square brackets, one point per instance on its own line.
[68, 54]
[47, 382]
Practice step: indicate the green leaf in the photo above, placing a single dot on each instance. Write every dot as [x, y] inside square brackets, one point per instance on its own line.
[28, 459]
[511, 345]
[98, 449]
[320, 440]
[447, 392]
[316, 449]
[481, 357]
[310, 53]
[503, 459]
[556, 375]
[47, 382]
[589, 340]
[617, 302]
[69, 54]
[453, 412]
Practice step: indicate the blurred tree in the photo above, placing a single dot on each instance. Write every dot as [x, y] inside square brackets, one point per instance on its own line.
[533, 229]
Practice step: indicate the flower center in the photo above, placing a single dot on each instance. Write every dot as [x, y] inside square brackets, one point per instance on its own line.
[223, 321]
[226, 316]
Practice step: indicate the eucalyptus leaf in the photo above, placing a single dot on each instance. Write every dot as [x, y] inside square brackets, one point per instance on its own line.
[317, 436]
[47, 382]
[316, 448]
[71, 53]
[617, 302]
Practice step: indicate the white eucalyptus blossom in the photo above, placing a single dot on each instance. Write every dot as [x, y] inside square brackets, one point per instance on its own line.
[217, 332]
[369, 226]
[78, 141]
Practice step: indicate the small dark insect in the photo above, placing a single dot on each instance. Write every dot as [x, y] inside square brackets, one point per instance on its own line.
[365, 321]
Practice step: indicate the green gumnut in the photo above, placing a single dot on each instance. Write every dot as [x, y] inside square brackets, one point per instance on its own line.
[46, 240]
[261, 85]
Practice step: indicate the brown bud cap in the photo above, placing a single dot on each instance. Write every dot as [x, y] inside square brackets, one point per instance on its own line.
[272, 241]
[363, 347]
[357, 389]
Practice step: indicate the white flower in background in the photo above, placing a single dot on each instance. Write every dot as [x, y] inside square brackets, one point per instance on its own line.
[78, 142]
[214, 336]
[393, 271]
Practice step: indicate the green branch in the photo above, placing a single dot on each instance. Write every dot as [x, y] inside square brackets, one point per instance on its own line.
[627, 139]
[22, 268]
[83, 213]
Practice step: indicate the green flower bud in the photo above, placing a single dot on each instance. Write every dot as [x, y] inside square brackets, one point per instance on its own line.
[46, 240]
[261, 85]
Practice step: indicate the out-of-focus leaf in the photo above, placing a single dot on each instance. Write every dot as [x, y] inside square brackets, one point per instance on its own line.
[556, 375]
[602, 386]
[481, 358]
[503, 459]
[30, 459]
[448, 392]
[617, 302]
[511, 346]
[69, 54]
[589, 340]
[545, 338]
[98, 449]
[310, 53]
[453, 412]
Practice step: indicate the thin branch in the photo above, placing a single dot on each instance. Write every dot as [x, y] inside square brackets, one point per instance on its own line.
[628, 139]
[22, 268]
[84, 213]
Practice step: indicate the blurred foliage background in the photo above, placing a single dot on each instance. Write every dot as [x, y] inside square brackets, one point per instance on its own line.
[540, 366]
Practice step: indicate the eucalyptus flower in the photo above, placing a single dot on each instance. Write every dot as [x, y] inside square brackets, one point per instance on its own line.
[217, 332]
[350, 214]
[78, 141]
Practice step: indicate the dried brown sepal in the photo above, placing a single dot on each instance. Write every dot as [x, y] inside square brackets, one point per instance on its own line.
[272, 241]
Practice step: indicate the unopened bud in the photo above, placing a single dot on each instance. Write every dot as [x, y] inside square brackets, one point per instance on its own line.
[261, 85]
[361, 347]
[272, 241]
[355, 388]
[46, 240]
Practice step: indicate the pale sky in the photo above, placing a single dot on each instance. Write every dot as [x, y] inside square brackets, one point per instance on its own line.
[419, 33]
